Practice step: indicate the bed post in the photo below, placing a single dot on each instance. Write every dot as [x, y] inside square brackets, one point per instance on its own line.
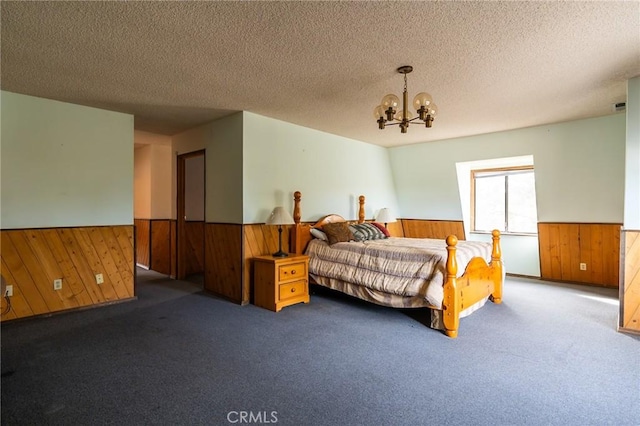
[496, 262]
[361, 209]
[295, 244]
[296, 207]
[451, 300]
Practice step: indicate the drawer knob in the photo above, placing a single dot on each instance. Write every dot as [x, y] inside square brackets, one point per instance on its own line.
[293, 290]
[293, 272]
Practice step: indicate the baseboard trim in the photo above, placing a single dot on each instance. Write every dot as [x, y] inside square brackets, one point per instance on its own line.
[531, 277]
[68, 311]
[628, 331]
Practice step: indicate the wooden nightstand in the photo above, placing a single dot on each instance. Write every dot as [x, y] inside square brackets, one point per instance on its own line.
[280, 281]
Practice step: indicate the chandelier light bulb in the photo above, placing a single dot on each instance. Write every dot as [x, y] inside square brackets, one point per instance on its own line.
[433, 110]
[390, 100]
[399, 116]
[378, 112]
[422, 99]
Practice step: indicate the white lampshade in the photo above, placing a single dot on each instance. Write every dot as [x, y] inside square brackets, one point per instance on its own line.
[385, 216]
[279, 216]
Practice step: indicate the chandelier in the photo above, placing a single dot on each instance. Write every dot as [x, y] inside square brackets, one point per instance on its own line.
[387, 113]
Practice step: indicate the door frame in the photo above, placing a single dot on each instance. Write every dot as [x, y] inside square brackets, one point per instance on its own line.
[181, 249]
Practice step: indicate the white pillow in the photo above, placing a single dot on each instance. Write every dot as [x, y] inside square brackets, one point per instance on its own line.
[319, 234]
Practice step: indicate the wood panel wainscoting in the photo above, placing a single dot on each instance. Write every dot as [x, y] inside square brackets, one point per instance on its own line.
[438, 229]
[194, 246]
[161, 246]
[424, 228]
[229, 249]
[565, 246]
[395, 228]
[629, 320]
[154, 245]
[143, 242]
[223, 265]
[33, 258]
[174, 248]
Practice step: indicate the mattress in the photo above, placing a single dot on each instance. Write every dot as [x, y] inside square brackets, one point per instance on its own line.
[399, 272]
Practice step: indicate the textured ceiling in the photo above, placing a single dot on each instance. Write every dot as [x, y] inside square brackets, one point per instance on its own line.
[489, 66]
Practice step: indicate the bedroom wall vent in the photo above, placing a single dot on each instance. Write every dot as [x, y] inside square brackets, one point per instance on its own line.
[619, 106]
[387, 113]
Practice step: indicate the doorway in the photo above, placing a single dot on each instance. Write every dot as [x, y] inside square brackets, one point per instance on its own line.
[190, 216]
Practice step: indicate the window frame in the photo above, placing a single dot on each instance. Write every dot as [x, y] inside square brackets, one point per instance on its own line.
[498, 171]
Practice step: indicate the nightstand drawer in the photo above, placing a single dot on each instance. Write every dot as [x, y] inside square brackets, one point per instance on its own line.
[292, 271]
[291, 290]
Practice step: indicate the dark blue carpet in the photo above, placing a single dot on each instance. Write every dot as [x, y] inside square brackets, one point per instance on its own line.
[549, 355]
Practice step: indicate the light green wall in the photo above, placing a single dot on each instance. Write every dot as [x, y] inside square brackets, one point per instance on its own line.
[222, 141]
[224, 171]
[520, 252]
[632, 168]
[64, 164]
[330, 171]
[254, 163]
[579, 170]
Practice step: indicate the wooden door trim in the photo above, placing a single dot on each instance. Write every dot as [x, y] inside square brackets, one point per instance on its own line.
[180, 206]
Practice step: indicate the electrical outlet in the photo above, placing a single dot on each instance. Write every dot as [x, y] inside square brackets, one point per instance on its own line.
[9, 291]
[99, 279]
[57, 284]
[583, 266]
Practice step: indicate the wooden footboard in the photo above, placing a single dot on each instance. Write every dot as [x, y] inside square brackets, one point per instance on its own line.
[479, 281]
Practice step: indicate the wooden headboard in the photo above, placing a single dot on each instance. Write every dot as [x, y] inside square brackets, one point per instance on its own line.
[300, 234]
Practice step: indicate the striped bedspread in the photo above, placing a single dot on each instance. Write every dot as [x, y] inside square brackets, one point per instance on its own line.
[408, 267]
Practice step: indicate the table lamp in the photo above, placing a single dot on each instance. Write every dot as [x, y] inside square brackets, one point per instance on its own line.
[385, 216]
[279, 216]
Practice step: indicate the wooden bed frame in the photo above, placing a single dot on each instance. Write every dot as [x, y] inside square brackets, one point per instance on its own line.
[479, 281]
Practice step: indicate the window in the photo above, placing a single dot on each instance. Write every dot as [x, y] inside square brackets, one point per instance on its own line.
[504, 199]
